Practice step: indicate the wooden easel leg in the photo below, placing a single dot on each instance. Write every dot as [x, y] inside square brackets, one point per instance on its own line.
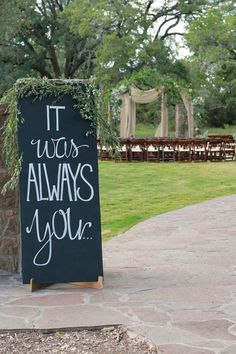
[92, 284]
[36, 286]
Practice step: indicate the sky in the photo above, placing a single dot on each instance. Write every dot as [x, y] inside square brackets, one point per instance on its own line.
[180, 47]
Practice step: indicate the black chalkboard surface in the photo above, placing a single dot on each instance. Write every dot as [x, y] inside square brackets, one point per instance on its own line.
[59, 196]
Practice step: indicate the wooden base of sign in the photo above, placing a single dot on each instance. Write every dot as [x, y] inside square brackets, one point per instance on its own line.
[36, 286]
[93, 284]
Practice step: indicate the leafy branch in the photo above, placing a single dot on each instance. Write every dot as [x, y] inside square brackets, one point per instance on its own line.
[86, 97]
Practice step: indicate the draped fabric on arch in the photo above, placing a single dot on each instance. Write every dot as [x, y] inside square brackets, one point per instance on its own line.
[128, 111]
[188, 104]
[139, 96]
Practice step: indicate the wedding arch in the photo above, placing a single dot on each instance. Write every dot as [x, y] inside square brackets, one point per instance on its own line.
[128, 111]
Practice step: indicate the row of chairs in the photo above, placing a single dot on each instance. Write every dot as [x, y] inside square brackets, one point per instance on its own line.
[185, 150]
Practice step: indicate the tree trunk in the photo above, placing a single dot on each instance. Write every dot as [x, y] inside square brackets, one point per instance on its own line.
[53, 58]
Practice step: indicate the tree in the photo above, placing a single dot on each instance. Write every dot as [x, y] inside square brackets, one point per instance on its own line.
[72, 38]
[212, 40]
[35, 39]
[134, 42]
[132, 34]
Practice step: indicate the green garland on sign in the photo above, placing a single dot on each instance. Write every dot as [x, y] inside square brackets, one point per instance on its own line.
[87, 98]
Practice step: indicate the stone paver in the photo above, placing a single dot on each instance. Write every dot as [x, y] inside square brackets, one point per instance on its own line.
[171, 278]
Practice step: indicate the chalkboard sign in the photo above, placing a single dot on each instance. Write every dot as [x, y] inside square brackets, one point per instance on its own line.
[59, 196]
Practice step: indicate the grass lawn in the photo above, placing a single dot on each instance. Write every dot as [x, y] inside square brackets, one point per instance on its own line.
[228, 129]
[132, 192]
[148, 130]
[145, 130]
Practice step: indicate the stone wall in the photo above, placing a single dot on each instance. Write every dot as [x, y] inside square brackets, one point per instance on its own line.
[9, 217]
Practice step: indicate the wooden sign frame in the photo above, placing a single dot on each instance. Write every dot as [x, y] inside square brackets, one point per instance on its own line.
[94, 285]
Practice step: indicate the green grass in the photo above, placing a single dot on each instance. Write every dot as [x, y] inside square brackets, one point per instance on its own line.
[132, 192]
[148, 130]
[228, 129]
[145, 130]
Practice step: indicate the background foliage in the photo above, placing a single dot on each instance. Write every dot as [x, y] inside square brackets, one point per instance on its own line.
[212, 40]
[134, 41]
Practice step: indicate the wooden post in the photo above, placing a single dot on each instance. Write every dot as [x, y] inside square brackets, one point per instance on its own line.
[122, 118]
[177, 121]
[132, 123]
[164, 115]
[158, 131]
[190, 120]
[125, 116]
[189, 108]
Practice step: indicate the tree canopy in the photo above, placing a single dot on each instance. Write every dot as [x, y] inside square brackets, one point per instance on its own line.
[212, 40]
[70, 38]
[132, 35]
[40, 42]
[125, 41]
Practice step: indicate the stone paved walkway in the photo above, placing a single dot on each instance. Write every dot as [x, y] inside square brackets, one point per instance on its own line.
[171, 278]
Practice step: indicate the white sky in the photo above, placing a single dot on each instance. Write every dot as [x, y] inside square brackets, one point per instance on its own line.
[179, 47]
